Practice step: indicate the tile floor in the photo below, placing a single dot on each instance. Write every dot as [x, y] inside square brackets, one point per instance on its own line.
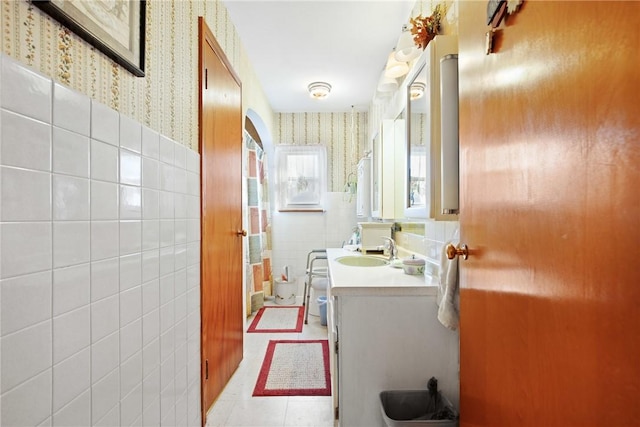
[237, 408]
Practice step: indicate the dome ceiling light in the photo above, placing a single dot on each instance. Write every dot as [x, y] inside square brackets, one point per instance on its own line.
[319, 90]
[395, 68]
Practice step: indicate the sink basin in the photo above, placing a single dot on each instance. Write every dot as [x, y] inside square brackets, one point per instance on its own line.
[362, 261]
[409, 408]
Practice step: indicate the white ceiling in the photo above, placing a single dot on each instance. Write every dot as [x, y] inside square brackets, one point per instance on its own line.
[344, 43]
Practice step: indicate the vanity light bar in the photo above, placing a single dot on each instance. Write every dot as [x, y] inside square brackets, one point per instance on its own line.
[449, 184]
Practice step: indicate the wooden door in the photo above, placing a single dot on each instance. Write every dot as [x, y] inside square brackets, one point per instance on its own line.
[221, 175]
[550, 207]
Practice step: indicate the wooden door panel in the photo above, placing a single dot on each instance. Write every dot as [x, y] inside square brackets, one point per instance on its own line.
[221, 264]
[550, 155]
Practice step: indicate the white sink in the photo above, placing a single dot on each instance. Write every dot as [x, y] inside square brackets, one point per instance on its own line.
[362, 261]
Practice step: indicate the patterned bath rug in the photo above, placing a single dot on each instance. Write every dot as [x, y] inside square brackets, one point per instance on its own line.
[295, 368]
[277, 319]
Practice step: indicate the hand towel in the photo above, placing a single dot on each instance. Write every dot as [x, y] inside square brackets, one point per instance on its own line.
[448, 296]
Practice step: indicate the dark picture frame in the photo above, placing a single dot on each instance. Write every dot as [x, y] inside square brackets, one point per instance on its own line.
[117, 28]
[495, 10]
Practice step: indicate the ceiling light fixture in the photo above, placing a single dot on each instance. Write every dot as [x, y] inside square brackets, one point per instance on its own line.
[406, 50]
[416, 90]
[319, 90]
[395, 68]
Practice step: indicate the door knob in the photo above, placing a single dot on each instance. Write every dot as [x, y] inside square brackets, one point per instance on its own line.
[242, 232]
[452, 251]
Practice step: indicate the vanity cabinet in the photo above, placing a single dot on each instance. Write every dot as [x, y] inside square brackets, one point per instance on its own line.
[388, 164]
[388, 343]
[384, 335]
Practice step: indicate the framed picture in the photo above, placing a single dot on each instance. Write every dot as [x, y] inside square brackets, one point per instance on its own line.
[494, 11]
[115, 27]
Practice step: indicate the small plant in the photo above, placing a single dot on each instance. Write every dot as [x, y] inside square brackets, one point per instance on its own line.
[425, 28]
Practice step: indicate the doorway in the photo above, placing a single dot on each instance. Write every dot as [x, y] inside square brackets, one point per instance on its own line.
[220, 124]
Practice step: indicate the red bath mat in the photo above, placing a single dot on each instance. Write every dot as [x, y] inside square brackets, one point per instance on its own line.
[277, 319]
[295, 368]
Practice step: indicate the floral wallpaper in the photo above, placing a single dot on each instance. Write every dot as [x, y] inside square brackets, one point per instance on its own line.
[166, 99]
[345, 143]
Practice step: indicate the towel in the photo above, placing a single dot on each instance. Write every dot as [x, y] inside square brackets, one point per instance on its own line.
[448, 296]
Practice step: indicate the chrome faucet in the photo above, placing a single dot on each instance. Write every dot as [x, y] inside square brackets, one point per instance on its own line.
[393, 252]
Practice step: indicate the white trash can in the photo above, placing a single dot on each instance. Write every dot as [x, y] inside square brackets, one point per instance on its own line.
[313, 309]
[284, 292]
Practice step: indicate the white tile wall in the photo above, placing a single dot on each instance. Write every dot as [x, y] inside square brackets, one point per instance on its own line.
[32, 153]
[25, 91]
[26, 194]
[437, 234]
[71, 110]
[26, 300]
[70, 153]
[330, 229]
[71, 288]
[99, 262]
[327, 229]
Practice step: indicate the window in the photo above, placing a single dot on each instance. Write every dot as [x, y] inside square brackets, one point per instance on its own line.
[301, 177]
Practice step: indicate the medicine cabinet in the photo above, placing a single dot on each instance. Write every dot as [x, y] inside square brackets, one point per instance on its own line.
[422, 192]
[363, 193]
[388, 163]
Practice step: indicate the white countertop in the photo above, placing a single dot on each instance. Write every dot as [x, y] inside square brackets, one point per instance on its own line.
[384, 280]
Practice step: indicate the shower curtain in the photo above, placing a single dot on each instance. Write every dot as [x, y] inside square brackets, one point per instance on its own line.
[258, 258]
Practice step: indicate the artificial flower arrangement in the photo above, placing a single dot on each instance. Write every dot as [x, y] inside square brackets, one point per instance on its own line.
[425, 28]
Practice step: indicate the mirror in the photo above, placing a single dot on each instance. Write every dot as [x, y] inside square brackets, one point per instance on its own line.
[388, 169]
[418, 185]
